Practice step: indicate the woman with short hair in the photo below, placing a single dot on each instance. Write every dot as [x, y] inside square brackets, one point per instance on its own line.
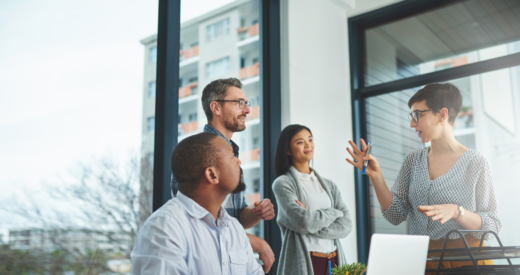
[442, 187]
[311, 213]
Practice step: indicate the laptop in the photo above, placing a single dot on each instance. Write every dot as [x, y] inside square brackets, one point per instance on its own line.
[393, 254]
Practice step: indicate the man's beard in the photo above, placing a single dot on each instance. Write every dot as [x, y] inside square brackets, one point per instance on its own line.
[241, 185]
[233, 126]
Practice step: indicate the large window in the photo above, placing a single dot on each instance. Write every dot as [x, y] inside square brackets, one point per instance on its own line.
[215, 66]
[203, 58]
[471, 44]
[75, 180]
[446, 37]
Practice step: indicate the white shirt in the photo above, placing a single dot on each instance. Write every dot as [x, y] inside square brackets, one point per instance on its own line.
[181, 237]
[315, 198]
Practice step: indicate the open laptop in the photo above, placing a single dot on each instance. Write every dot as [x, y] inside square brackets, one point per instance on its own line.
[392, 254]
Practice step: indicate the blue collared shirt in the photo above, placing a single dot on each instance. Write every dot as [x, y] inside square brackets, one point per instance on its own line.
[182, 237]
[234, 203]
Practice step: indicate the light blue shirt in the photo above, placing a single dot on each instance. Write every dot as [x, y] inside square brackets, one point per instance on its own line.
[181, 237]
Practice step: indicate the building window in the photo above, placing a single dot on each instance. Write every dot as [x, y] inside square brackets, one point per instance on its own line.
[150, 124]
[217, 68]
[151, 88]
[152, 54]
[242, 62]
[217, 29]
[192, 117]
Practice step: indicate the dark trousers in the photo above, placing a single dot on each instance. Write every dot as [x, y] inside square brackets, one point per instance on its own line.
[321, 265]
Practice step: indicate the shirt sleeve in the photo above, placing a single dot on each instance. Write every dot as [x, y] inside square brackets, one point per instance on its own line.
[243, 204]
[253, 267]
[486, 202]
[342, 226]
[398, 210]
[157, 251]
[294, 217]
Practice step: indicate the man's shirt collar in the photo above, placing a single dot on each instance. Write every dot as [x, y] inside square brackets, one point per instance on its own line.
[210, 129]
[199, 212]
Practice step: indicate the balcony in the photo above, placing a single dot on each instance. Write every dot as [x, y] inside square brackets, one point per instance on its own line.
[246, 32]
[451, 62]
[189, 127]
[189, 53]
[250, 155]
[188, 89]
[252, 198]
[250, 71]
[255, 112]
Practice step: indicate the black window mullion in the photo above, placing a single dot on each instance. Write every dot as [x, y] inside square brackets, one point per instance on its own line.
[357, 81]
[167, 97]
[270, 85]
[443, 75]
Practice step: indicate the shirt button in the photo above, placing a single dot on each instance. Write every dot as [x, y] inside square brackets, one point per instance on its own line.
[224, 263]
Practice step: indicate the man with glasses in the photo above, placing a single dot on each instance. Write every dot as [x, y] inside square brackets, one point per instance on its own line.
[226, 108]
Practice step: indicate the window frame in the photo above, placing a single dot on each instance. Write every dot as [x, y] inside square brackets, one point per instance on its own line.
[359, 93]
[167, 103]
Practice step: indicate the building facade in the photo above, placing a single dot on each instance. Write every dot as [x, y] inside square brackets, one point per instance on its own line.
[220, 44]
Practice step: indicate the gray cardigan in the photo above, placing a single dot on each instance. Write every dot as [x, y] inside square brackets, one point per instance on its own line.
[294, 221]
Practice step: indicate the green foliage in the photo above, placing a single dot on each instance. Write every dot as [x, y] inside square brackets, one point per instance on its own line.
[37, 261]
[466, 108]
[351, 268]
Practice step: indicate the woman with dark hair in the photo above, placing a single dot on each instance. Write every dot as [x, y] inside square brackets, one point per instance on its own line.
[311, 212]
[439, 188]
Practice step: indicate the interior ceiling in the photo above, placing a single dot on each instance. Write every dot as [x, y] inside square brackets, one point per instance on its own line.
[454, 29]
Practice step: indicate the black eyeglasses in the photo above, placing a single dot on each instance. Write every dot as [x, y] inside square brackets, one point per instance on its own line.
[241, 103]
[415, 114]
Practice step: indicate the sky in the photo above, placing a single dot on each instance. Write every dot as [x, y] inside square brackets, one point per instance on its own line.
[71, 85]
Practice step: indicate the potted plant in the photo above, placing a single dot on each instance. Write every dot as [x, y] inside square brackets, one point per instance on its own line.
[349, 269]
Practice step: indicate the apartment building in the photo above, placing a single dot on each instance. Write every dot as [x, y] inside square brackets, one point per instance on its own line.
[219, 44]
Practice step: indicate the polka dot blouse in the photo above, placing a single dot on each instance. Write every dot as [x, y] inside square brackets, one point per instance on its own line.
[468, 183]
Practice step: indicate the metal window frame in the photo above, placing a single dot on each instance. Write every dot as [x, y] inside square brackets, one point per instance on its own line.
[271, 123]
[167, 102]
[359, 93]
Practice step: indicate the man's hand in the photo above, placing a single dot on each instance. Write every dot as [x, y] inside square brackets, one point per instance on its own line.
[264, 209]
[264, 251]
[253, 214]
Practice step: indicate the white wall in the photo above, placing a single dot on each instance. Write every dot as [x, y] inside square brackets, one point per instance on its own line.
[316, 86]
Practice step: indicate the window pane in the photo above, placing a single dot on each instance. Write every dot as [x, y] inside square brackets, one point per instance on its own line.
[451, 36]
[488, 122]
[76, 148]
[151, 88]
[220, 39]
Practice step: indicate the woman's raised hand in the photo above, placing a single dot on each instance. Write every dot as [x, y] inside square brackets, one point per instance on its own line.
[359, 157]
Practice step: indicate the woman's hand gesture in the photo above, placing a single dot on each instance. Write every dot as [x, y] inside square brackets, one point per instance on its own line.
[442, 213]
[359, 157]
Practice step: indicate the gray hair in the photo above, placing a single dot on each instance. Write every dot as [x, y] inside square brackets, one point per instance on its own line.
[216, 90]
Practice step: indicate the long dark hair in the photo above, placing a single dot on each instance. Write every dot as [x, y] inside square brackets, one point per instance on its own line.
[282, 161]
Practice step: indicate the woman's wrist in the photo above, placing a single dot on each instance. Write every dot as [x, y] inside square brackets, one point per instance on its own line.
[456, 212]
[376, 178]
